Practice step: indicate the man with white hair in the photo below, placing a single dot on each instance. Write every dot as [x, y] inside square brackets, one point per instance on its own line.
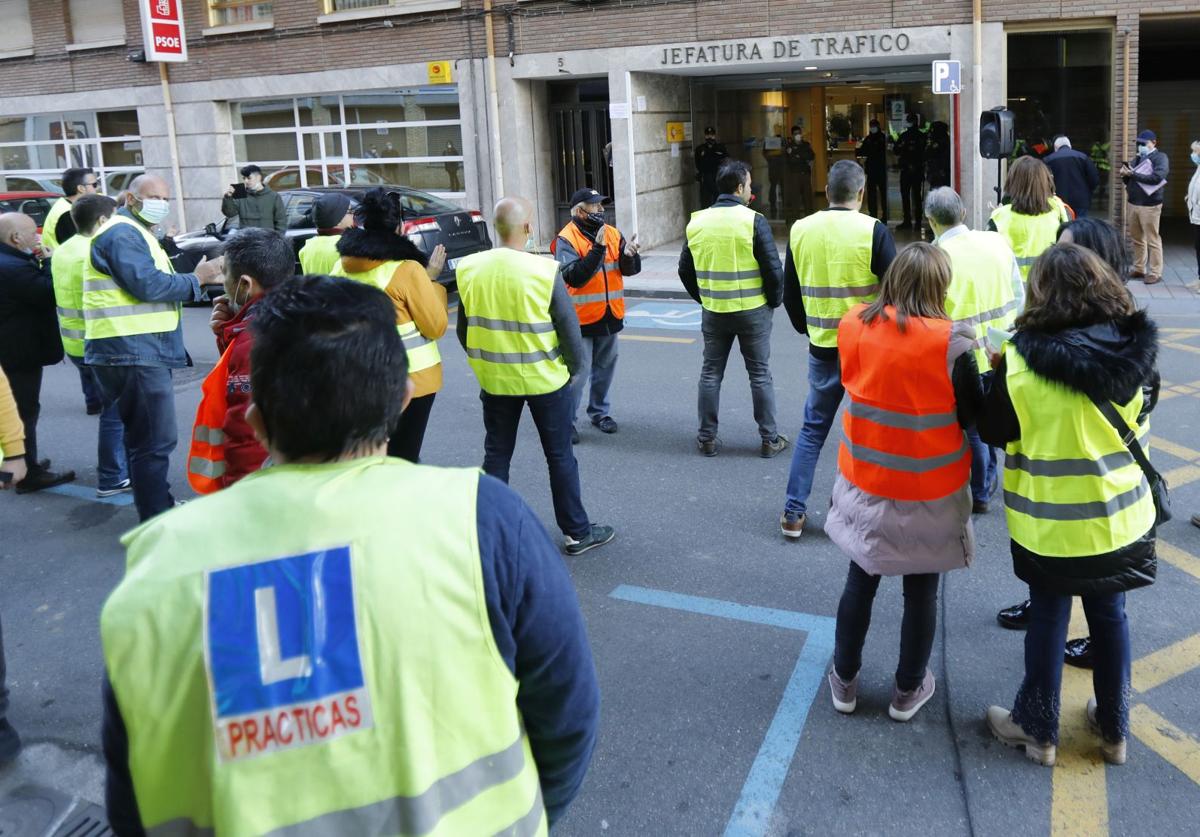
[985, 291]
[1075, 175]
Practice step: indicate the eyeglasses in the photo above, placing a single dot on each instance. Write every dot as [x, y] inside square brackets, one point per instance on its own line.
[92, 185]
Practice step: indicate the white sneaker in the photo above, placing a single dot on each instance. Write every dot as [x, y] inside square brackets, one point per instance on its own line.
[119, 488]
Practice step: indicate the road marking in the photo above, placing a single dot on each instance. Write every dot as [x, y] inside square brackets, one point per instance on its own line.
[651, 338]
[1079, 793]
[1183, 346]
[1182, 475]
[1166, 664]
[1178, 558]
[1177, 451]
[760, 792]
[83, 492]
[1160, 735]
[672, 316]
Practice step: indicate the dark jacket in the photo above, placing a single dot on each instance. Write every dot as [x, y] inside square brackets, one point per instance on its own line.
[29, 336]
[122, 253]
[1075, 178]
[765, 253]
[262, 209]
[937, 157]
[1109, 361]
[883, 251]
[1135, 193]
[910, 148]
[708, 159]
[538, 628]
[874, 149]
[799, 156]
[577, 272]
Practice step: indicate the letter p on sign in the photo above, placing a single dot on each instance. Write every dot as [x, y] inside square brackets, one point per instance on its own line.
[947, 77]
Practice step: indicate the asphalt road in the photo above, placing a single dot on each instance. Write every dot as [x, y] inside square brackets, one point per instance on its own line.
[711, 634]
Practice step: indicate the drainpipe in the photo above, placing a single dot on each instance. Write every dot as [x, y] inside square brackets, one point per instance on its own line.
[493, 99]
[172, 142]
[977, 95]
[1124, 133]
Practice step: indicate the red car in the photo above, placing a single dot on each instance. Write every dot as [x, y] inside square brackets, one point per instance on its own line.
[33, 204]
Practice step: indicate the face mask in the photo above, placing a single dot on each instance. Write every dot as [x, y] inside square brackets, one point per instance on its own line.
[710, 140]
[1143, 150]
[596, 218]
[874, 130]
[154, 210]
[234, 305]
[1196, 158]
[529, 241]
[796, 137]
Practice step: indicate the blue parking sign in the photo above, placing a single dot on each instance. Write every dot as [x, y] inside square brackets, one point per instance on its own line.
[281, 646]
[947, 77]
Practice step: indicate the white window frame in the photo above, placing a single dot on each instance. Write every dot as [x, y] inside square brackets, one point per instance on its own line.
[76, 45]
[391, 9]
[94, 143]
[22, 50]
[216, 27]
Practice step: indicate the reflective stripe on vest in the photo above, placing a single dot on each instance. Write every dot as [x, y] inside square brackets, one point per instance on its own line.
[1030, 235]
[1071, 488]
[67, 267]
[50, 241]
[902, 436]
[981, 287]
[111, 311]
[831, 251]
[206, 458]
[721, 241]
[422, 352]
[427, 748]
[511, 342]
[605, 290]
[319, 254]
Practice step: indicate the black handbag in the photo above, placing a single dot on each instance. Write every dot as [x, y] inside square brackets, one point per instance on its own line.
[1158, 484]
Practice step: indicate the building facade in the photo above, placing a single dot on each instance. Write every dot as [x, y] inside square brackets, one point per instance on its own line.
[540, 97]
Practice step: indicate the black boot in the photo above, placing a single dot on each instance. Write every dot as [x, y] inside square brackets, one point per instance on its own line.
[10, 743]
[1078, 652]
[1015, 618]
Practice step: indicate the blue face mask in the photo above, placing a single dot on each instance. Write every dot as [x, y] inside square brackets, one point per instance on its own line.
[1143, 150]
[1196, 158]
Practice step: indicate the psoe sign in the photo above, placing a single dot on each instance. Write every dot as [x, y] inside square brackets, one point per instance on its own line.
[162, 30]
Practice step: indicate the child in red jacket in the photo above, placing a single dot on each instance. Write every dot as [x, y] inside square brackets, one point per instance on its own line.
[224, 448]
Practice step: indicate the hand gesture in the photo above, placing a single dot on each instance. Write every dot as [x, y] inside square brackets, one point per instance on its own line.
[437, 262]
[632, 246]
[211, 273]
[222, 313]
[601, 234]
[17, 468]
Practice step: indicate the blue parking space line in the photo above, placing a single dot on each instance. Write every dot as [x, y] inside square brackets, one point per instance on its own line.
[760, 792]
[670, 316]
[83, 492]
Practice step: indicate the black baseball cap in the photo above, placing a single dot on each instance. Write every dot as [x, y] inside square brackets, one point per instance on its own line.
[710, 130]
[588, 196]
[330, 209]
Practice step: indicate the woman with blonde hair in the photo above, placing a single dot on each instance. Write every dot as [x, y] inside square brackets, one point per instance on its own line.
[1033, 215]
[902, 501]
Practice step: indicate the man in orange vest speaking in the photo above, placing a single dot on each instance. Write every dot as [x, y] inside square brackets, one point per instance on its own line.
[594, 257]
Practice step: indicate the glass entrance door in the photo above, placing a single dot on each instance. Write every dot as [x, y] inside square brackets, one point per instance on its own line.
[323, 160]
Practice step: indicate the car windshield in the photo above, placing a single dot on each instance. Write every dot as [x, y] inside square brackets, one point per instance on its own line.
[422, 203]
[35, 208]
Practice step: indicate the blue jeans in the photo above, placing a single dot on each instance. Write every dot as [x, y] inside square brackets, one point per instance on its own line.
[91, 394]
[752, 329]
[1037, 706]
[553, 415]
[112, 468]
[824, 397]
[145, 401]
[599, 364]
[983, 459]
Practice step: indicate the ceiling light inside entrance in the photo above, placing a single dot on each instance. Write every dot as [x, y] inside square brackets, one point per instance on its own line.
[810, 68]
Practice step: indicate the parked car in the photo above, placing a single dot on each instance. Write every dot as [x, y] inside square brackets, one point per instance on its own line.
[289, 177]
[33, 204]
[29, 183]
[428, 221]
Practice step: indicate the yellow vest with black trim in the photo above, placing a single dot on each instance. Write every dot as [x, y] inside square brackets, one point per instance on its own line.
[422, 352]
[511, 342]
[57, 210]
[1071, 486]
[319, 254]
[981, 288]
[1030, 235]
[333, 673]
[721, 241]
[67, 267]
[111, 311]
[831, 251]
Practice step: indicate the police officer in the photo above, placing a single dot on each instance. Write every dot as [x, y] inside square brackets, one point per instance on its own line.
[986, 291]
[133, 332]
[873, 151]
[835, 260]
[710, 154]
[799, 156]
[593, 258]
[519, 329]
[58, 227]
[338, 654]
[331, 215]
[910, 148]
[729, 265]
[937, 155]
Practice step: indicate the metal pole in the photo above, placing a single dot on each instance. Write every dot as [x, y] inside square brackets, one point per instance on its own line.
[1124, 133]
[977, 97]
[172, 143]
[493, 105]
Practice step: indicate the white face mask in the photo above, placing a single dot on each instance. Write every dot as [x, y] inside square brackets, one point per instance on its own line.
[154, 210]
[796, 137]
[874, 130]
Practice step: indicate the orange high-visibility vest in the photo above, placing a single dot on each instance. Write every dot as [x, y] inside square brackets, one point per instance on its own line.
[606, 288]
[206, 459]
[902, 437]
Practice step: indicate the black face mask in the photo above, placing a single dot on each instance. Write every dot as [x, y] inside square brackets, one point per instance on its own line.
[592, 222]
[710, 140]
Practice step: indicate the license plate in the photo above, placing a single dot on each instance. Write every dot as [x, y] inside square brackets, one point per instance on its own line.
[453, 263]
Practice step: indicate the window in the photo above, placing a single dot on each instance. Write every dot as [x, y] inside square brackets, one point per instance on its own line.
[16, 35]
[299, 212]
[408, 137]
[34, 150]
[232, 12]
[351, 5]
[96, 21]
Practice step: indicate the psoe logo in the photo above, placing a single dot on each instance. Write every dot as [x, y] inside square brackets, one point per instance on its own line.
[281, 646]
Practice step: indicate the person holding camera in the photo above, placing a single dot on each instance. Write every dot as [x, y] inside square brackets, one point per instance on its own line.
[254, 202]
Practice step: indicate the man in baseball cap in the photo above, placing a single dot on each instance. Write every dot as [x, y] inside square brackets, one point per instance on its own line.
[710, 154]
[594, 257]
[1145, 180]
[331, 215]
